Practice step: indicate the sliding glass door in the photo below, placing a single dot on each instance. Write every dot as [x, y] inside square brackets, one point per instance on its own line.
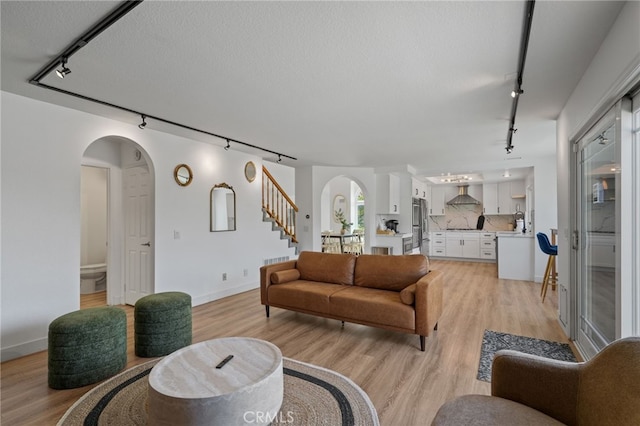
[595, 241]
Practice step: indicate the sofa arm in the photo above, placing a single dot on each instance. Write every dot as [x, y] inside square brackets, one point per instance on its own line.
[428, 302]
[544, 384]
[265, 277]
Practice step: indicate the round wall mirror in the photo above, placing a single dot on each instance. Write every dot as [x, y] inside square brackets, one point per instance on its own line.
[183, 174]
[250, 171]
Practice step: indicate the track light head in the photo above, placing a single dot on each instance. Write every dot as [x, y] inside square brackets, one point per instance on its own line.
[62, 72]
[509, 149]
[279, 158]
[226, 148]
[516, 92]
[142, 125]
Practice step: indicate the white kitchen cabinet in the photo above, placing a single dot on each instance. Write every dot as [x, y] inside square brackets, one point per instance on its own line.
[388, 201]
[438, 244]
[502, 198]
[603, 249]
[490, 198]
[463, 244]
[437, 201]
[488, 245]
[418, 188]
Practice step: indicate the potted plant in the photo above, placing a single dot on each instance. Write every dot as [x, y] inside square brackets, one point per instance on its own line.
[339, 216]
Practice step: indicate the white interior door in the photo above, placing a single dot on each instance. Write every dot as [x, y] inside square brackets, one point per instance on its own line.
[139, 236]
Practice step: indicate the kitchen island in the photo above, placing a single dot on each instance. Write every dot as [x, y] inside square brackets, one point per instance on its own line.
[515, 255]
[395, 242]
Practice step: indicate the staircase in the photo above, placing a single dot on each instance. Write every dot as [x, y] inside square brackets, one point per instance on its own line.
[279, 209]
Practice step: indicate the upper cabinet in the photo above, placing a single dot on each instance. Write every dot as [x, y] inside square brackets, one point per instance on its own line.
[490, 198]
[388, 200]
[437, 200]
[418, 188]
[503, 198]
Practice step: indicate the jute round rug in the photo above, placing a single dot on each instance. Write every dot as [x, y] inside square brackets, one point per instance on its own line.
[312, 396]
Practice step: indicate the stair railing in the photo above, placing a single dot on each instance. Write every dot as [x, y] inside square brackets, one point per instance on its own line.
[277, 204]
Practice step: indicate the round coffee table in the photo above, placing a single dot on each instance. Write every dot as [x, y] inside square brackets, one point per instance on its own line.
[186, 388]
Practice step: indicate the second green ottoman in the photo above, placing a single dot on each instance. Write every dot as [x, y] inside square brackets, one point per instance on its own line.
[162, 323]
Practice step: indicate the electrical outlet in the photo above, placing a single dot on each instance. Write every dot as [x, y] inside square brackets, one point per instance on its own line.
[246, 272]
[224, 276]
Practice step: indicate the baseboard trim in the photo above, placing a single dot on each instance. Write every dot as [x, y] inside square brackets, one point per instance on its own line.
[224, 293]
[24, 349]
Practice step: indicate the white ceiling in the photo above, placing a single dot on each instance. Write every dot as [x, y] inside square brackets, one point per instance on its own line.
[423, 85]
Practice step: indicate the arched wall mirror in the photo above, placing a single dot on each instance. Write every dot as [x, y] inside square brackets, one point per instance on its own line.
[223, 208]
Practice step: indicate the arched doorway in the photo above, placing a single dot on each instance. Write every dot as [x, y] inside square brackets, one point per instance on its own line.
[342, 201]
[129, 240]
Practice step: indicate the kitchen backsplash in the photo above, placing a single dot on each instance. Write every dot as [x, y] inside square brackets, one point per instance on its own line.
[466, 216]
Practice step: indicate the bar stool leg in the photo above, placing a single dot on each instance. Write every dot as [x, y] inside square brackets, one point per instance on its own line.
[545, 280]
[554, 274]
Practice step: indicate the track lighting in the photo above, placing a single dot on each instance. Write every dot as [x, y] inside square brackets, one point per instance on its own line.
[509, 149]
[602, 139]
[226, 148]
[279, 158]
[144, 123]
[64, 70]
[516, 92]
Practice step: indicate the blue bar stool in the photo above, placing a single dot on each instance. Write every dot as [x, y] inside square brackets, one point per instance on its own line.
[550, 276]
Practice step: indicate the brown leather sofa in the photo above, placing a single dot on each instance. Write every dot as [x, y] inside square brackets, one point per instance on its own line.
[530, 390]
[397, 293]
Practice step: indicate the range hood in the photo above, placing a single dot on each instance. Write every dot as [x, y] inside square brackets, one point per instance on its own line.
[463, 197]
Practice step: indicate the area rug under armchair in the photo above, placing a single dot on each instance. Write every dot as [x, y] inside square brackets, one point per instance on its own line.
[493, 341]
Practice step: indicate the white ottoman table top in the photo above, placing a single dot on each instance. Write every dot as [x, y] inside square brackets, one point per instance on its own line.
[187, 388]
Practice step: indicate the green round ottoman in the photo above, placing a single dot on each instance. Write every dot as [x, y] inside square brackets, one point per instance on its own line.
[87, 346]
[162, 323]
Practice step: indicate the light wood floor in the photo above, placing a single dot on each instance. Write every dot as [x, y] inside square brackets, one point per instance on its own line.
[406, 386]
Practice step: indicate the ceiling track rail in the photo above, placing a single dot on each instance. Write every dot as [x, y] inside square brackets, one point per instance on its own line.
[517, 90]
[62, 58]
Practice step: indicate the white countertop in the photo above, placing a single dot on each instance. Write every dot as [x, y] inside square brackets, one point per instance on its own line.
[513, 234]
[395, 235]
[463, 230]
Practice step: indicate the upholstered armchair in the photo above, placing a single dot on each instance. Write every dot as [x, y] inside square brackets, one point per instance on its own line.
[530, 390]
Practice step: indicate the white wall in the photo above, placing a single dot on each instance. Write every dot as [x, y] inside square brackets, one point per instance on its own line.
[612, 71]
[93, 246]
[41, 216]
[546, 208]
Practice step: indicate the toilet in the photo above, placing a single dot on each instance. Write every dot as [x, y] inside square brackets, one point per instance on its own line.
[93, 278]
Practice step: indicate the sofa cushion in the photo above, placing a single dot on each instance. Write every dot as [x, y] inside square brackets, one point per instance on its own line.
[373, 306]
[389, 272]
[305, 295]
[408, 294]
[489, 410]
[285, 276]
[334, 268]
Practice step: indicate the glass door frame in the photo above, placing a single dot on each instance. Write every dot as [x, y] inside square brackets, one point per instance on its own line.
[620, 117]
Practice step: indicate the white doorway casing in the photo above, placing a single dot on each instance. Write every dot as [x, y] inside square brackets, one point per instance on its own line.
[118, 155]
